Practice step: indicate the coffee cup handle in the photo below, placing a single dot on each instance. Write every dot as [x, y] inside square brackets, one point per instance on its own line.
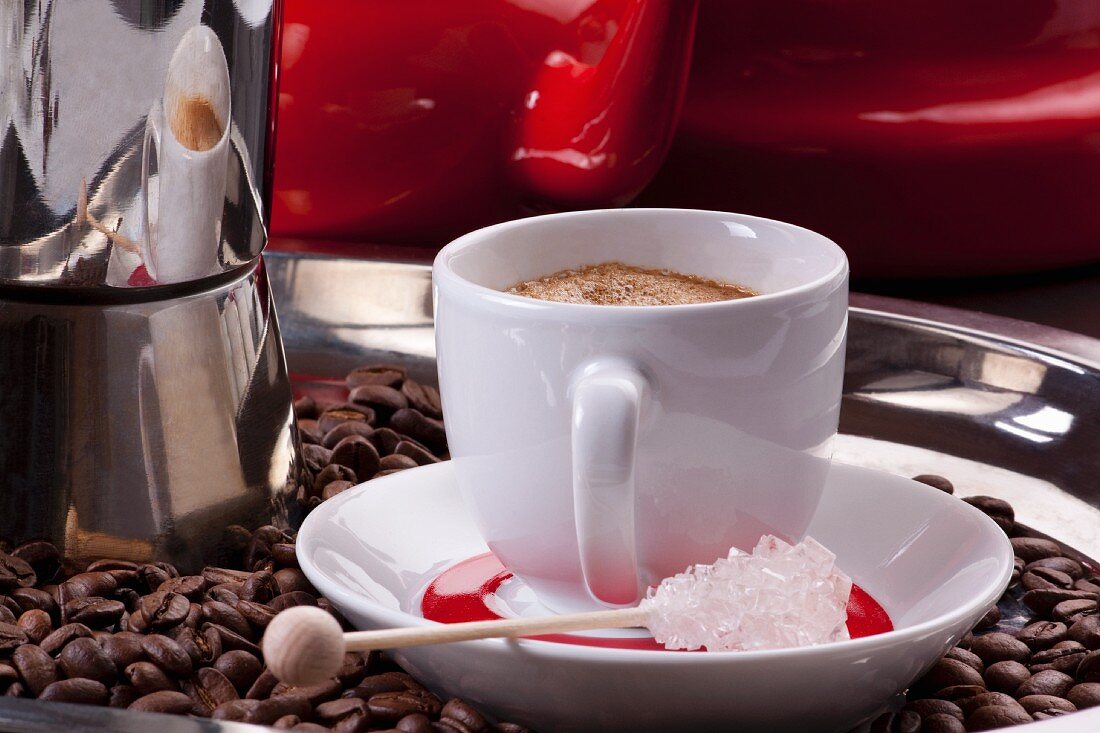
[150, 150]
[607, 402]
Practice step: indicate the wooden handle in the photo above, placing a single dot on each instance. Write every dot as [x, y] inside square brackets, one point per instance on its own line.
[364, 641]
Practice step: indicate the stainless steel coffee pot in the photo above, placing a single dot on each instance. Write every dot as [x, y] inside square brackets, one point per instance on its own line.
[144, 399]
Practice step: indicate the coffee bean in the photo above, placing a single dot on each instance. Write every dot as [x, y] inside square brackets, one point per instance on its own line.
[1070, 567]
[36, 668]
[456, 710]
[7, 616]
[1005, 676]
[970, 704]
[956, 693]
[43, 557]
[1030, 549]
[345, 413]
[990, 620]
[234, 710]
[123, 649]
[257, 614]
[190, 587]
[93, 612]
[1085, 695]
[927, 707]
[164, 609]
[122, 696]
[414, 723]
[1089, 668]
[57, 640]
[332, 488]
[15, 572]
[208, 689]
[1057, 659]
[385, 440]
[426, 399]
[967, 657]
[999, 647]
[1091, 585]
[78, 690]
[1046, 682]
[167, 654]
[147, 677]
[32, 598]
[998, 510]
[388, 375]
[84, 657]
[419, 427]
[1035, 703]
[266, 712]
[232, 640]
[1042, 634]
[415, 452]
[353, 669]
[217, 576]
[164, 701]
[7, 674]
[358, 454]
[84, 585]
[940, 723]
[317, 457]
[226, 593]
[1043, 600]
[380, 398]
[333, 472]
[240, 668]
[936, 482]
[1046, 578]
[1070, 612]
[17, 689]
[384, 682]
[291, 599]
[11, 637]
[203, 647]
[334, 711]
[290, 580]
[389, 707]
[997, 716]
[222, 614]
[36, 624]
[1086, 632]
[260, 587]
[305, 407]
[310, 432]
[397, 462]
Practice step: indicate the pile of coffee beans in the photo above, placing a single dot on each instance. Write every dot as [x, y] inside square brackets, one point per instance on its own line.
[1035, 656]
[144, 637]
[388, 423]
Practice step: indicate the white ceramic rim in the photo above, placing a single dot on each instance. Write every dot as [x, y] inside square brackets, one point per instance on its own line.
[581, 653]
[445, 276]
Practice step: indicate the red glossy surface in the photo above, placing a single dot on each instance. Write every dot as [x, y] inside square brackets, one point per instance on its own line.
[928, 137]
[415, 121]
[459, 594]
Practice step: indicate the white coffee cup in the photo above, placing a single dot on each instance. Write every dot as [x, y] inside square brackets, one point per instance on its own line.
[183, 204]
[602, 448]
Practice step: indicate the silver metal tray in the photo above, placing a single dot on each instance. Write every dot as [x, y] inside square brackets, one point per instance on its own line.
[1001, 407]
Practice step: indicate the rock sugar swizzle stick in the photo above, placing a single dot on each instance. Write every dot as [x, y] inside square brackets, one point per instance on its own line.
[779, 596]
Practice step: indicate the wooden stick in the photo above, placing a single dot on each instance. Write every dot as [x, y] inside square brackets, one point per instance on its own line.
[365, 641]
[304, 645]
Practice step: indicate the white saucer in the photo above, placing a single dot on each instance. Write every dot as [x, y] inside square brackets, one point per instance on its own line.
[935, 563]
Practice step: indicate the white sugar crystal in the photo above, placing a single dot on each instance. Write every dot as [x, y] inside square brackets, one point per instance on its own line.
[779, 596]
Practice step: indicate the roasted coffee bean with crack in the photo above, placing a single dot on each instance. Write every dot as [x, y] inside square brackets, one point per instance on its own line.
[11, 637]
[167, 654]
[123, 648]
[1042, 634]
[1059, 659]
[93, 612]
[59, 638]
[15, 573]
[240, 668]
[1000, 647]
[147, 677]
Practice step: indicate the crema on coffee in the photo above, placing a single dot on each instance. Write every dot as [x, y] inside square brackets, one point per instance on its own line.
[613, 283]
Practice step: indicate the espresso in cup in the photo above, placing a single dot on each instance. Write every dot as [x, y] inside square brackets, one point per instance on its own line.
[614, 283]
